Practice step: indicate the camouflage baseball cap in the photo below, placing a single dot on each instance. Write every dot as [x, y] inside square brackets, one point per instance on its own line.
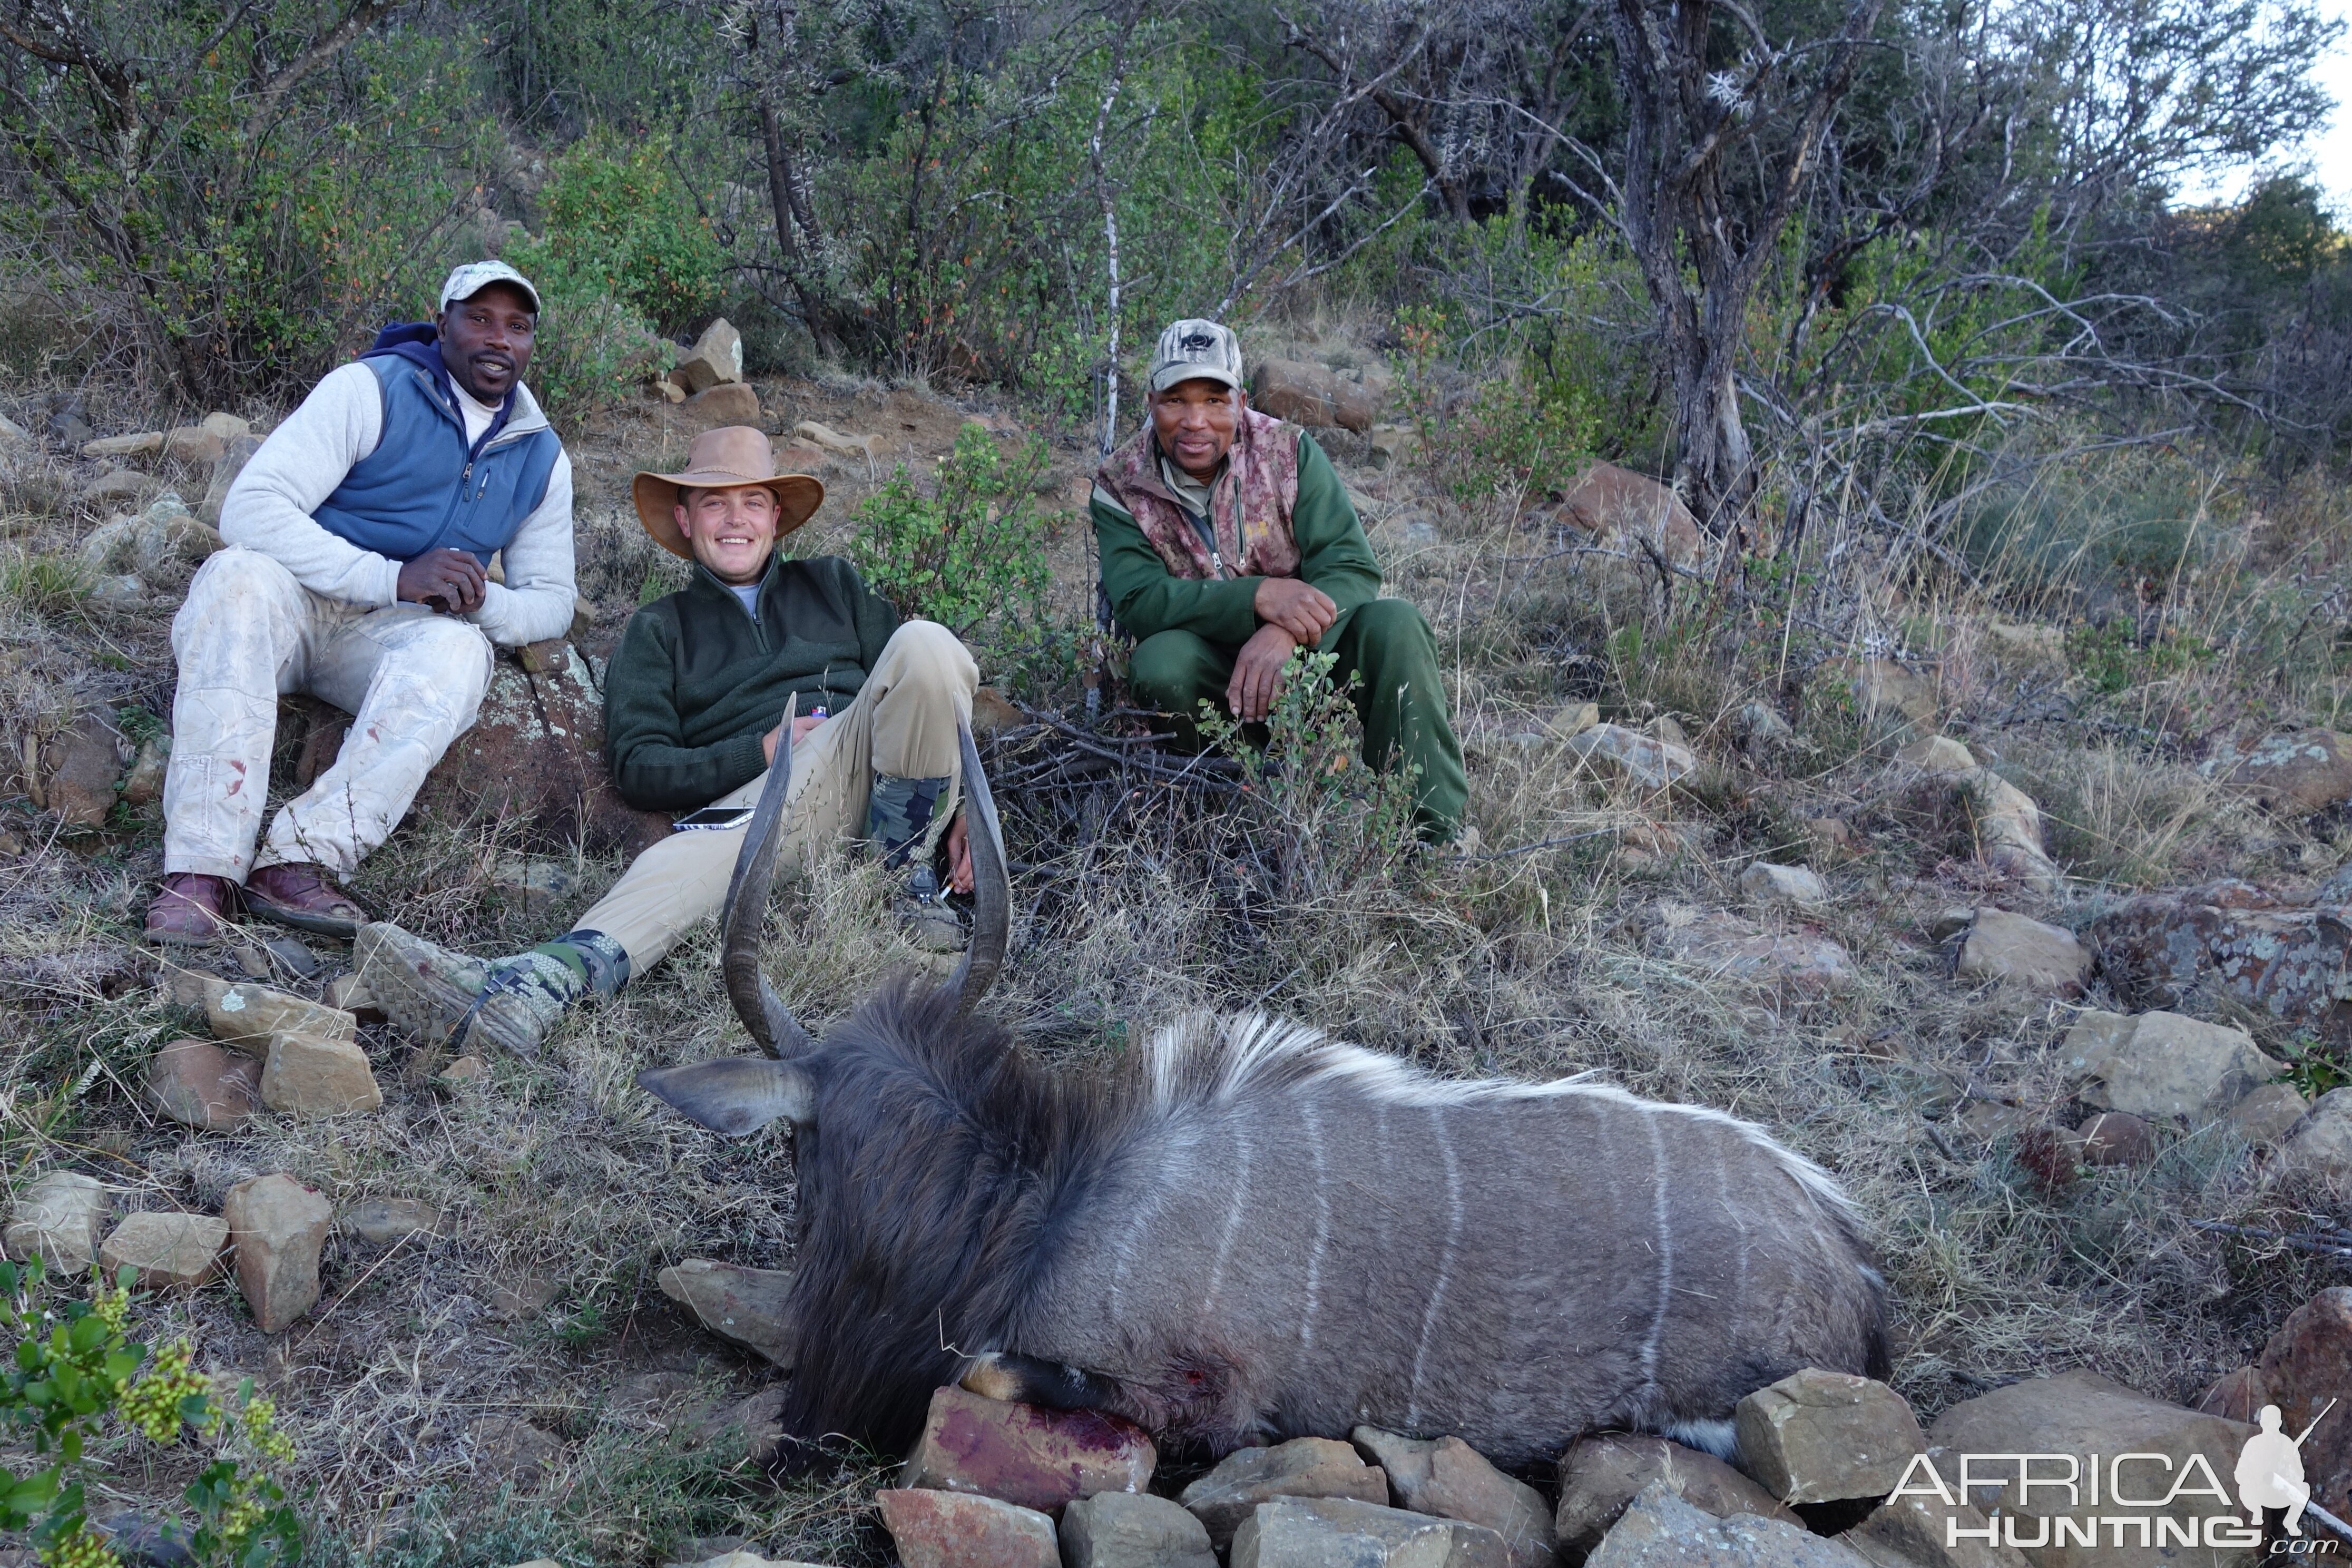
[1196, 350]
[465, 282]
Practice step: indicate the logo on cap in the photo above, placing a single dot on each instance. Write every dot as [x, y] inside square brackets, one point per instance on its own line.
[1194, 343]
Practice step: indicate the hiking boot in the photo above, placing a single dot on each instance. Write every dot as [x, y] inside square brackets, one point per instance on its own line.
[930, 922]
[436, 997]
[192, 910]
[299, 894]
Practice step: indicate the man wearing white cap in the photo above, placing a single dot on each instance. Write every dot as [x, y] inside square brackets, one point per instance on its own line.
[359, 539]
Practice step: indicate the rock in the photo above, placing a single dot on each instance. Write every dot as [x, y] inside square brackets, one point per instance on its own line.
[117, 484]
[2007, 827]
[730, 403]
[756, 1422]
[1025, 1453]
[143, 1541]
[156, 542]
[1393, 444]
[1341, 1532]
[1624, 509]
[1574, 719]
[466, 1070]
[1821, 1436]
[1600, 1475]
[169, 1251]
[716, 359]
[1937, 755]
[381, 1221]
[1661, 1531]
[2039, 649]
[277, 1227]
[951, 1530]
[669, 391]
[311, 1075]
[2321, 1144]
[350, 994]
[1914, 1531]
[1133, 1529]
[290, 957]
[2164, 1065]
[535, 883]
[2294, 775]
[79, 769]
[143, 785]
[2234, 939]
[1769, 884]
[14, 438]
[143, 444]
[742, 1306]
[1640, 759]
[534, 760]
[2239, 1395]
[1893, 700]
[2082, 1414]
[199, 1084]
[2052, 1156]
[1308, 393]
[1797, 966]
[227, 426]
[2268, 1115]
[832, 441]
[508, 1449]
[2117, 1138]
[1831, 839]
[1304, 1466]
[1450, 1478]
[121, 594]
[59, 1220]
[245, 1015]
[194, 444]
[524, 1295]
[992, 711]
[1762, 729]
[2024, 953]
[236, 452]
[2306, 1364]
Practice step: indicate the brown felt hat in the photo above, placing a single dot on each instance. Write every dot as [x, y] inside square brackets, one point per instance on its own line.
[733, 456]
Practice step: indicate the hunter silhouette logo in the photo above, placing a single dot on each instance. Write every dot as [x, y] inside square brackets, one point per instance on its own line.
[2270, 1473]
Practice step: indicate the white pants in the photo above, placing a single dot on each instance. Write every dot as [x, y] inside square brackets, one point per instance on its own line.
[249, 633]
[902, 722]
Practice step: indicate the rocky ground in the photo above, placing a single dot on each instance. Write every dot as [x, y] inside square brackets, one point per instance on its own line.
[2017, 907]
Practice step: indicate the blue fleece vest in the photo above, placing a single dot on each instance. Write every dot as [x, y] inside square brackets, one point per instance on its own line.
[421, 490]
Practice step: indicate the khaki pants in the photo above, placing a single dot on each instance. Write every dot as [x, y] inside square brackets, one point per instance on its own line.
[902, 723]
[249, 633]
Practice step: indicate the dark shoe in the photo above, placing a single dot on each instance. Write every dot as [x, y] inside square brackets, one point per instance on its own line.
[298, 894]
[192, 910]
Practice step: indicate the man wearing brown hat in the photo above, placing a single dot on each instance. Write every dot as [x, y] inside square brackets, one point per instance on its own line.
[693, 697]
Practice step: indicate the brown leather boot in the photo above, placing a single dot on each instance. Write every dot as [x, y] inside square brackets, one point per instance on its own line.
[193, 909]
[301, 894]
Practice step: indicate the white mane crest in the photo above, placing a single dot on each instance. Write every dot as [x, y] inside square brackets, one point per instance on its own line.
[1210, 1059]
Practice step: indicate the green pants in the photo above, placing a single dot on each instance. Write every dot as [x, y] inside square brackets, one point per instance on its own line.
[1399, 698]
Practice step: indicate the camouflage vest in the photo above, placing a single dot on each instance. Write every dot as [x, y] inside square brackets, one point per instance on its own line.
[1249, 505]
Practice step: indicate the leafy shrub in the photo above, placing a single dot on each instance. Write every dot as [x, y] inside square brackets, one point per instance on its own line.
[973, 549]
[74, 1367]
[618, 221]
[592, 350]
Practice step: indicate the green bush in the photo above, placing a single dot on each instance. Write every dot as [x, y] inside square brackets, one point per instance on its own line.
[971, 549]
[617, 220]
[592, 350]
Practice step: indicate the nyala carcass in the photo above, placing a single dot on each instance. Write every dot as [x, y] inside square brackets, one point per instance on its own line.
[1246, 1231]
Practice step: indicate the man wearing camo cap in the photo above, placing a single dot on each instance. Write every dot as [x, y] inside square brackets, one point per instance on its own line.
[1228, 544]
[359, 539]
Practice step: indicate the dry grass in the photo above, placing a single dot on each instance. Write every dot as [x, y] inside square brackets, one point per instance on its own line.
[1132, 909]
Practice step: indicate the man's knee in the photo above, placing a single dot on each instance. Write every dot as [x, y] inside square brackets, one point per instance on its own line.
[1165, 670]
[924, 651]
[446, 658]
[1386, 627]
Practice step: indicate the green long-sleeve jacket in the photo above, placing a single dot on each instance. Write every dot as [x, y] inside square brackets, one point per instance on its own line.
[698, 680]
[1334, 555]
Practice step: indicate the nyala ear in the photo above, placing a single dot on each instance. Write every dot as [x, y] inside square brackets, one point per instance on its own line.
[735, 1095]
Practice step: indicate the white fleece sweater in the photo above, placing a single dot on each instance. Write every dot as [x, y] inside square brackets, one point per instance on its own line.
[299, 466]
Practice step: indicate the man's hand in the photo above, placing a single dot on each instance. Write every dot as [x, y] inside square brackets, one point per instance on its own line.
[959, 855]
[448, 581]
[1257, 672]
[801, 728]
[1303, 610]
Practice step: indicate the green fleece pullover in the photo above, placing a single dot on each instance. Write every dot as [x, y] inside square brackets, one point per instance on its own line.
[1334, 555]
[697, 679]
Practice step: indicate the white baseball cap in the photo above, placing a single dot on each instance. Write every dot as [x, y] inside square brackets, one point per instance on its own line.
[1196, 350]
[470, 280]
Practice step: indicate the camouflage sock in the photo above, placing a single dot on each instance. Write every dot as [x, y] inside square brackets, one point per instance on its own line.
[900, 812]
[600, 963]
[553, 975]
